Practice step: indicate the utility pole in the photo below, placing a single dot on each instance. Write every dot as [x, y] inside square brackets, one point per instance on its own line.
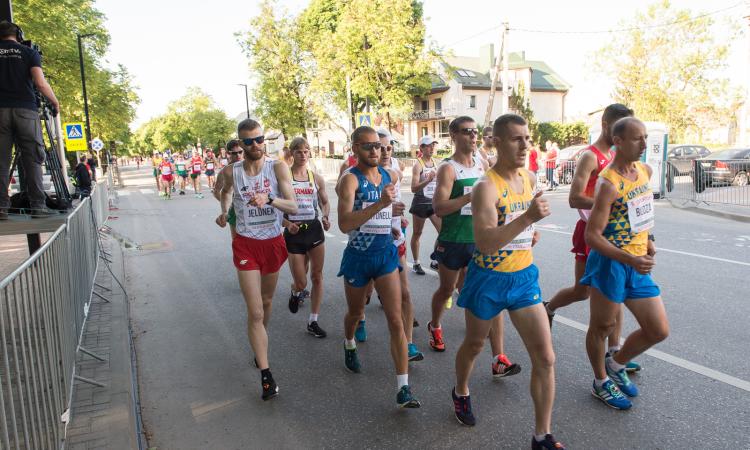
[247, 101]
[500, 59]
[350, 118]
[6, 10]
[85, 95]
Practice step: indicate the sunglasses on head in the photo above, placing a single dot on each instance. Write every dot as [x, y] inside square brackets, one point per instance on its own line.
[468, 131]
[249, 141]
[370, 146]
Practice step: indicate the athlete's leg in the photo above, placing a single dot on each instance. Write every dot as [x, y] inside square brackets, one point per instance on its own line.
[445, 289]
[416, 236]
[575, 293]
[389, 290]
[533, 327]
[297, 268]
[602, 319]
[497, 341]
[407, 309]
[651, 316]
[250, 282]
[437, 222]
[476, 333]
[613, 340]
[317, 258]
[355, 301]
[267, 289]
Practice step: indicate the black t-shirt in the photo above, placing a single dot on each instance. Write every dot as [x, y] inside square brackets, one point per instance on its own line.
[16, 86]
[82, 176]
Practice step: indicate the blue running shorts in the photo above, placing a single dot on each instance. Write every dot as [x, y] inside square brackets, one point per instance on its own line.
[486, 293]
[617, 281]
[358, 267]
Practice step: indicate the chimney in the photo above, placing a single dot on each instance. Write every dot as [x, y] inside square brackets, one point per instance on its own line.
[486, 58]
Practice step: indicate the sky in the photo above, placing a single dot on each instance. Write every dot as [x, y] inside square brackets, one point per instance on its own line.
[170, 45]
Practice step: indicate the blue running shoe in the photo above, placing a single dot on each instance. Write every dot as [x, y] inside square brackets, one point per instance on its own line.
[405, 399]
[462, 409]
[611, 395]
[360, 334]
[622, 380]
[414, 354]
[351, 360]
[631, 366]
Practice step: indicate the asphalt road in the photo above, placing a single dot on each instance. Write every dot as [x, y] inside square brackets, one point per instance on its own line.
[200, 390]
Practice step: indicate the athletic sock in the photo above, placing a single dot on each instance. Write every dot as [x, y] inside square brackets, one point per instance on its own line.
[613, 349]
[402, 380]
[599, 382]
[350, 344]
[313, 318]
[416, 261]
[614, 364]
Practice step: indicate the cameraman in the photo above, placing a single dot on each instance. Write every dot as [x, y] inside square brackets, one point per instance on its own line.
[20, 72]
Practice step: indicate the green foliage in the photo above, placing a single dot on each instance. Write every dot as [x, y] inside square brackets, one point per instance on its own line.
[112, 96]
[673, 74]
[191, 119]
[565, 134]
[282, 69]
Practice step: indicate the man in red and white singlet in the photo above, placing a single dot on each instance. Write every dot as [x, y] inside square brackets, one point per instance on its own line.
[593, 160]
[166, 169]
[260, 191]
[195, 168]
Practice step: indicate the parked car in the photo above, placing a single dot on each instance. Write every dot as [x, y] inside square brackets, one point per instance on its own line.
[730, 166]
[680, 159]
[566, 162]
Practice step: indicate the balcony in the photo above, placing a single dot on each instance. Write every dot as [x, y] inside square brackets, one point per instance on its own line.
[432, 114]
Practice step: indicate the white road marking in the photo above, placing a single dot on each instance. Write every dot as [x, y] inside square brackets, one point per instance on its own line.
[662, 249]
[674, 360]
[146, 191]
[123, 193]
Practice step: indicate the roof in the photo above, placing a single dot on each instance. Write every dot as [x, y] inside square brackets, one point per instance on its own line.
[467, 73]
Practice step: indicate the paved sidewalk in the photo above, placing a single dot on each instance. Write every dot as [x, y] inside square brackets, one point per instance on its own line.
[104, 417]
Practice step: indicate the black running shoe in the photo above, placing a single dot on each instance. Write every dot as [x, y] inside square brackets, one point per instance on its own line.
[294, 301]
[417, 268]
[351, 360]
[462, 409]
[549, 443]
[270, 389]
[550, 314]
[314, 329]
[415, 324]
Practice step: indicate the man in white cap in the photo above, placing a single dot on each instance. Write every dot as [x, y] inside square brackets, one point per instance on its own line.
[423, 182]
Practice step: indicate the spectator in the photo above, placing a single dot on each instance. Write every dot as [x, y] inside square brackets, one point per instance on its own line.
[82, 175]
[20, 73]
[534, 159]
[91, 161]
[550, 164]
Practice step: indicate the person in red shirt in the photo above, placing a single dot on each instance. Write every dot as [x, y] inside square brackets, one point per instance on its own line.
[534, 160]
[196, 166]
[167, 177]
[550, 164]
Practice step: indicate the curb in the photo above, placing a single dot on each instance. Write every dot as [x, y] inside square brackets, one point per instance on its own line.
[713, 212]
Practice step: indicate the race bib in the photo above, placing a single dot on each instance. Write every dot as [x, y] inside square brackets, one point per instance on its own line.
[396, 225]
[380, 223]
[466, 209]
[166, 170]
[196, 167]
[258, 219]
[429, 190]
[305, 205]
[641, 213]
[180, 167]
[224, 162]
[524, 238]
[210, 166]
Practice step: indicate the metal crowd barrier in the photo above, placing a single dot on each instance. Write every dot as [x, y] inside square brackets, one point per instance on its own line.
[43, 309]
[712, 182]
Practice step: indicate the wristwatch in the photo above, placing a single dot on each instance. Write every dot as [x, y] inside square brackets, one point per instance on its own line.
[270, 200]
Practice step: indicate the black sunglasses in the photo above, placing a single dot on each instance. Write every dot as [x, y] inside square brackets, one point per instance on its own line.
[235, 153]
[249, 141]
[370, 146]
[468, 131]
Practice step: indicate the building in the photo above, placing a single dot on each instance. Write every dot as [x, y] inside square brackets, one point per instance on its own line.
[461, 87]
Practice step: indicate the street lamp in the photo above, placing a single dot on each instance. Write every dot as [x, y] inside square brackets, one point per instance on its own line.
[83, 83]
[247, 101]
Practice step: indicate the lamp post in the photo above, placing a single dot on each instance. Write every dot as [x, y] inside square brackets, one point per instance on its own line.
[247, 100]
[83, 84]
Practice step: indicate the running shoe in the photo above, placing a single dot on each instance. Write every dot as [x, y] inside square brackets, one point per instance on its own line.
[434, 265]
[415, 324]
[502, 367]
[436, 338]
[462, 409]
[631, 366]
[294, 301]
[417, 268]
[182, 192]
[549, 443]
[550, 313]
[351, 360]
[622, 380]
[405, 399]
[360, 334]
[314, 329]
[611, 395]
[270, 389]
[161, 194]
[414, 353]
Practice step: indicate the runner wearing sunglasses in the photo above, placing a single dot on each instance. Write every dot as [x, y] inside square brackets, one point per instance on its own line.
[234, 155]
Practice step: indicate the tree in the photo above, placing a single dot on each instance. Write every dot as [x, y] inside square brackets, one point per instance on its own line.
[521, 105]
[671, 74]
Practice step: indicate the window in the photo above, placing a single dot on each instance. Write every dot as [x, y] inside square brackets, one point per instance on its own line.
[425, 105]
[472, 101]
[443, 129]
[425, 132]
[438, 105]
[465, 73]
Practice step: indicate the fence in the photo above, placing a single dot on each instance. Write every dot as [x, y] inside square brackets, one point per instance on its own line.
[708, 181]
[43, 308]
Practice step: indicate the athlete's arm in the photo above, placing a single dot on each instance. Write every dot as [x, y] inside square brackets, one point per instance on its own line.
[218, 185]
[287, 203]
[416, 169]
[225, 198]
[343, 167]
[441, 201]
[348, 218]
[584, 169]
[398, 206]
[605, 196]
[325, 205]
[488, 235]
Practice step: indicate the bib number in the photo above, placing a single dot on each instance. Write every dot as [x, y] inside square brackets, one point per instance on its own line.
[210, 166]
[641, 213]
[380, 223]
[258, 219]
[524, 238]
[305, 207]
[166, 170]
[196, 168]
[224, 162]
[466, 209]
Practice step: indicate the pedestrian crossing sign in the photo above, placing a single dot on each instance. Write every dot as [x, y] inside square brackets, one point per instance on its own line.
[75, 138]
[364, 120]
